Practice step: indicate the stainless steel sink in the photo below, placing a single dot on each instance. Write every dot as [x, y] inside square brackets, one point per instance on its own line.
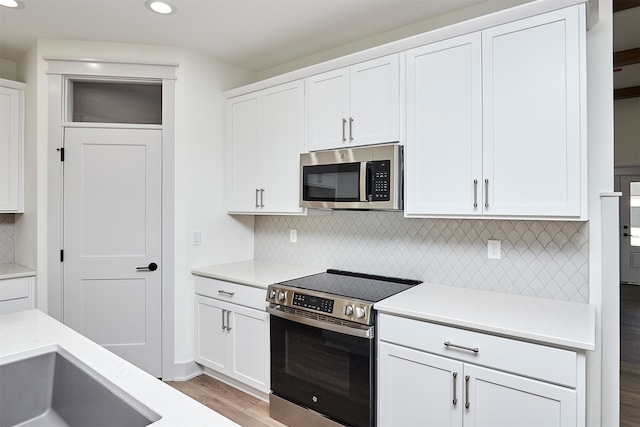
[51, 390]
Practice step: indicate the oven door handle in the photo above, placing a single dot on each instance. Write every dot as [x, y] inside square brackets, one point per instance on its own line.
[363, 331]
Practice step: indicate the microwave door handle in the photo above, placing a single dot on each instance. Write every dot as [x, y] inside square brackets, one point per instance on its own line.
[364, 183]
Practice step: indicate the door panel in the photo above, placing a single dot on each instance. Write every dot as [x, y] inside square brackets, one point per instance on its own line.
[112, 226]
[418, 388]
[630, 233]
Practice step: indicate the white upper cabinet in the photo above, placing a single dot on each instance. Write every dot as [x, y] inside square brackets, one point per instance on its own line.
[265, 133]
[11, 146]
[357, 105]
[495, 122]
[532, 115]
[443, 153]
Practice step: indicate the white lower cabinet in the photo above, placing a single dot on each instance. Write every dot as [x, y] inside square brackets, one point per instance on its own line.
[422, 381]
[17, 294]
[233, 339]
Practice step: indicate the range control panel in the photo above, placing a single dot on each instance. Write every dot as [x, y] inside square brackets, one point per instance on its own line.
[353, 310]
[312, 302]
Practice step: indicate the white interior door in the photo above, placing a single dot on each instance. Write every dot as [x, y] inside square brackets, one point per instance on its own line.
[112, 234]
[630, 225]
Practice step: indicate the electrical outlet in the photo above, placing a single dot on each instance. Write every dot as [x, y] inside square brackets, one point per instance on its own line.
[493, 249]
[293, 235]
[197, 238]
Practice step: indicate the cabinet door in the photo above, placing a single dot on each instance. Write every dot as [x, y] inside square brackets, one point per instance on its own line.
[244, 145]
[249, 330]
[328, 110]
[418, 389]
[283, 123]
[374, 101]
[11, 150]
[532, 88]
[498, 399]
[444, 128]
[211, 338]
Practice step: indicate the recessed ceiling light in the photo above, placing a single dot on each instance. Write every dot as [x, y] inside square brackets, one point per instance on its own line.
[161, 7]
[13, 4]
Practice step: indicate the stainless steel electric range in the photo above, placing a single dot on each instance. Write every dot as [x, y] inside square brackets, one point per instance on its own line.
[323, 350]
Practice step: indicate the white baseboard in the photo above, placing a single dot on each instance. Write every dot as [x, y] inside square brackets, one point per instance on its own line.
[186, 370]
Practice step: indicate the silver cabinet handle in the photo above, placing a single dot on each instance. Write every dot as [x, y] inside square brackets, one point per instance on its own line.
[486, 193]
[344, 122]
[223, 325]
[220, 291]
[475, 193]
[466, 392]
[257, 191]
[455, 393]
[228, 323]
[350, 129]
[262, 197]
[474, 349]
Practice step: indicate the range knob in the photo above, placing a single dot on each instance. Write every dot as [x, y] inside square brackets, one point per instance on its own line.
[360, 312]
[272, 294]
[280, 296]
[348, 310]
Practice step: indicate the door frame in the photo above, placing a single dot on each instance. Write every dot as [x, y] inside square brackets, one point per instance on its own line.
[619, 172]
[60, 73]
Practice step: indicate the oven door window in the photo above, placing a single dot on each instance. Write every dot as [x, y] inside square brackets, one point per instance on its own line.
[328, 372]
[333, 183]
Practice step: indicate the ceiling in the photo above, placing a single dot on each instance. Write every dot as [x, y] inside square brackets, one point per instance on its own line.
[254, 34]
[257, 34]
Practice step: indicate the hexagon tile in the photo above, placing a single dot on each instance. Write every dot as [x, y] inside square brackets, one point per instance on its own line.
[547, 259]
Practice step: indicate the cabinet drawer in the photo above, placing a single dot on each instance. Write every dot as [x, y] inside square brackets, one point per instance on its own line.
[14, 288]
[532, 360]
[232, 292]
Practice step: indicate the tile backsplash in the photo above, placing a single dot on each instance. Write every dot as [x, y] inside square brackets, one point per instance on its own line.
[547, 259]
[7, 232]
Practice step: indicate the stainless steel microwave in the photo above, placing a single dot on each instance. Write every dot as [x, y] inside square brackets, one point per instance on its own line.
[369, 177]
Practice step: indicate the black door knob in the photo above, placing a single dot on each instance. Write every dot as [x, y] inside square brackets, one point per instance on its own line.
[151, 267]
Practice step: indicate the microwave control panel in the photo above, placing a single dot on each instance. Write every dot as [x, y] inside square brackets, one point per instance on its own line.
[316, 303]
[381, 174]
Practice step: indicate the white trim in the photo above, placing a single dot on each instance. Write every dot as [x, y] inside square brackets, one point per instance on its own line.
[100, 68]
[186, 370]
[60, 73]
[13, 84]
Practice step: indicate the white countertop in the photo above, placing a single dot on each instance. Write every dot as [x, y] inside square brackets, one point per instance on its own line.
[29, 333]
[559, 323]
[11, 271]
[259, 274]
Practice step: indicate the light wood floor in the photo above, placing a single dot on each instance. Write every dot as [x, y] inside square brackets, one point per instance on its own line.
[249, 411]
[244, 409]
[629, 355]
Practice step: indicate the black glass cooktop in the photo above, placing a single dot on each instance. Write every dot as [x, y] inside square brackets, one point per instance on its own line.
[353, 285]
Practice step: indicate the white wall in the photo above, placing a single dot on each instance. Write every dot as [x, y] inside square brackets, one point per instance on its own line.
[8, 69]
[627, 132]
[420, 27]
[199, 164]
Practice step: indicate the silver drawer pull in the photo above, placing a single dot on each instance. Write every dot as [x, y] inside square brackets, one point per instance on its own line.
[226, 293]
[466, 386]
[486, 193]
[455, 393]
[475, 193]
[474, 349]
